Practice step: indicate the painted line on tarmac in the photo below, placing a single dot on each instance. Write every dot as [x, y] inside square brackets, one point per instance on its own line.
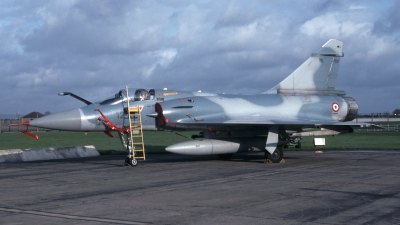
[57, 215]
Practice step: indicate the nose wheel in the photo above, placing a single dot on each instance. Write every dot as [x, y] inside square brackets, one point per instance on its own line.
[130, 162]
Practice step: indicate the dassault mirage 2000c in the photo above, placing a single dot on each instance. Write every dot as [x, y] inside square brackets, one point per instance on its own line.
[305, 103]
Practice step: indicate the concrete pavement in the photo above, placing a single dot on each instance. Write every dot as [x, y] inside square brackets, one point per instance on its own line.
[328, 188]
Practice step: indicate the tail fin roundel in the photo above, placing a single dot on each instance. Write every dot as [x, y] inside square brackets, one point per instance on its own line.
[317, 75]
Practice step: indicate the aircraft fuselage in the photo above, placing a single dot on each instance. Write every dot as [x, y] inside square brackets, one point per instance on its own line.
[191, 107]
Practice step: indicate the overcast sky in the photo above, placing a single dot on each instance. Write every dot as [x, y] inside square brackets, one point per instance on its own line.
[95, 48]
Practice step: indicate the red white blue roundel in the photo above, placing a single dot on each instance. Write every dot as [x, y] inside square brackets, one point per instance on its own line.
[335, 107]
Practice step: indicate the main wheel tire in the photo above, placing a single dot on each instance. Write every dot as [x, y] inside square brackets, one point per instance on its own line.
[277, 156]
[225, 156]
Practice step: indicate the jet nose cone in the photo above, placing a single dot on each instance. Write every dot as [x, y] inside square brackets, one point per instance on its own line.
[68, 120]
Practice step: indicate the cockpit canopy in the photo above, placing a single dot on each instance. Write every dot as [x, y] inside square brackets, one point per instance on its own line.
[139, 94]
[143, 94]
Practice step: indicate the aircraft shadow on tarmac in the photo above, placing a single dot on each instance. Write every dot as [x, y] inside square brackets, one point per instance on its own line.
[257, 157]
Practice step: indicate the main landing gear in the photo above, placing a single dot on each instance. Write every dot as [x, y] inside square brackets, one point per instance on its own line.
[273, 147]
[276, 157]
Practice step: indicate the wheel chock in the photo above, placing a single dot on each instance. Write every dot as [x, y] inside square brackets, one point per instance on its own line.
[267, 161]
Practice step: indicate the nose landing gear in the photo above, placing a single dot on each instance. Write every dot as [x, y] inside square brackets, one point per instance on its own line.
[130, 161]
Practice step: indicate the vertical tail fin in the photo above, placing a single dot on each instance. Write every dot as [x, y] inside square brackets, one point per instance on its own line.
[317, 75]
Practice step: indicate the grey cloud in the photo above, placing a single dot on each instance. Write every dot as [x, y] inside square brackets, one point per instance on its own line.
[389, 22]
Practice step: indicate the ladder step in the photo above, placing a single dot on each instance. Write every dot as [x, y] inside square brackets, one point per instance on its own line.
[134, 109]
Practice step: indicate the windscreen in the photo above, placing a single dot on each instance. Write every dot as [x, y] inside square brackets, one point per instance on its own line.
[113, 100]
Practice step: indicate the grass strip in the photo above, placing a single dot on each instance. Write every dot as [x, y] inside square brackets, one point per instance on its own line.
[156, 142]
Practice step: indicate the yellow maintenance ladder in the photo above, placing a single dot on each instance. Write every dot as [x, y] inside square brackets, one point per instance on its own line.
[136, 133]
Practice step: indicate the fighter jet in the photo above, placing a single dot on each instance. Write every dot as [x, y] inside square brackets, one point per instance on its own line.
[305, 103]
